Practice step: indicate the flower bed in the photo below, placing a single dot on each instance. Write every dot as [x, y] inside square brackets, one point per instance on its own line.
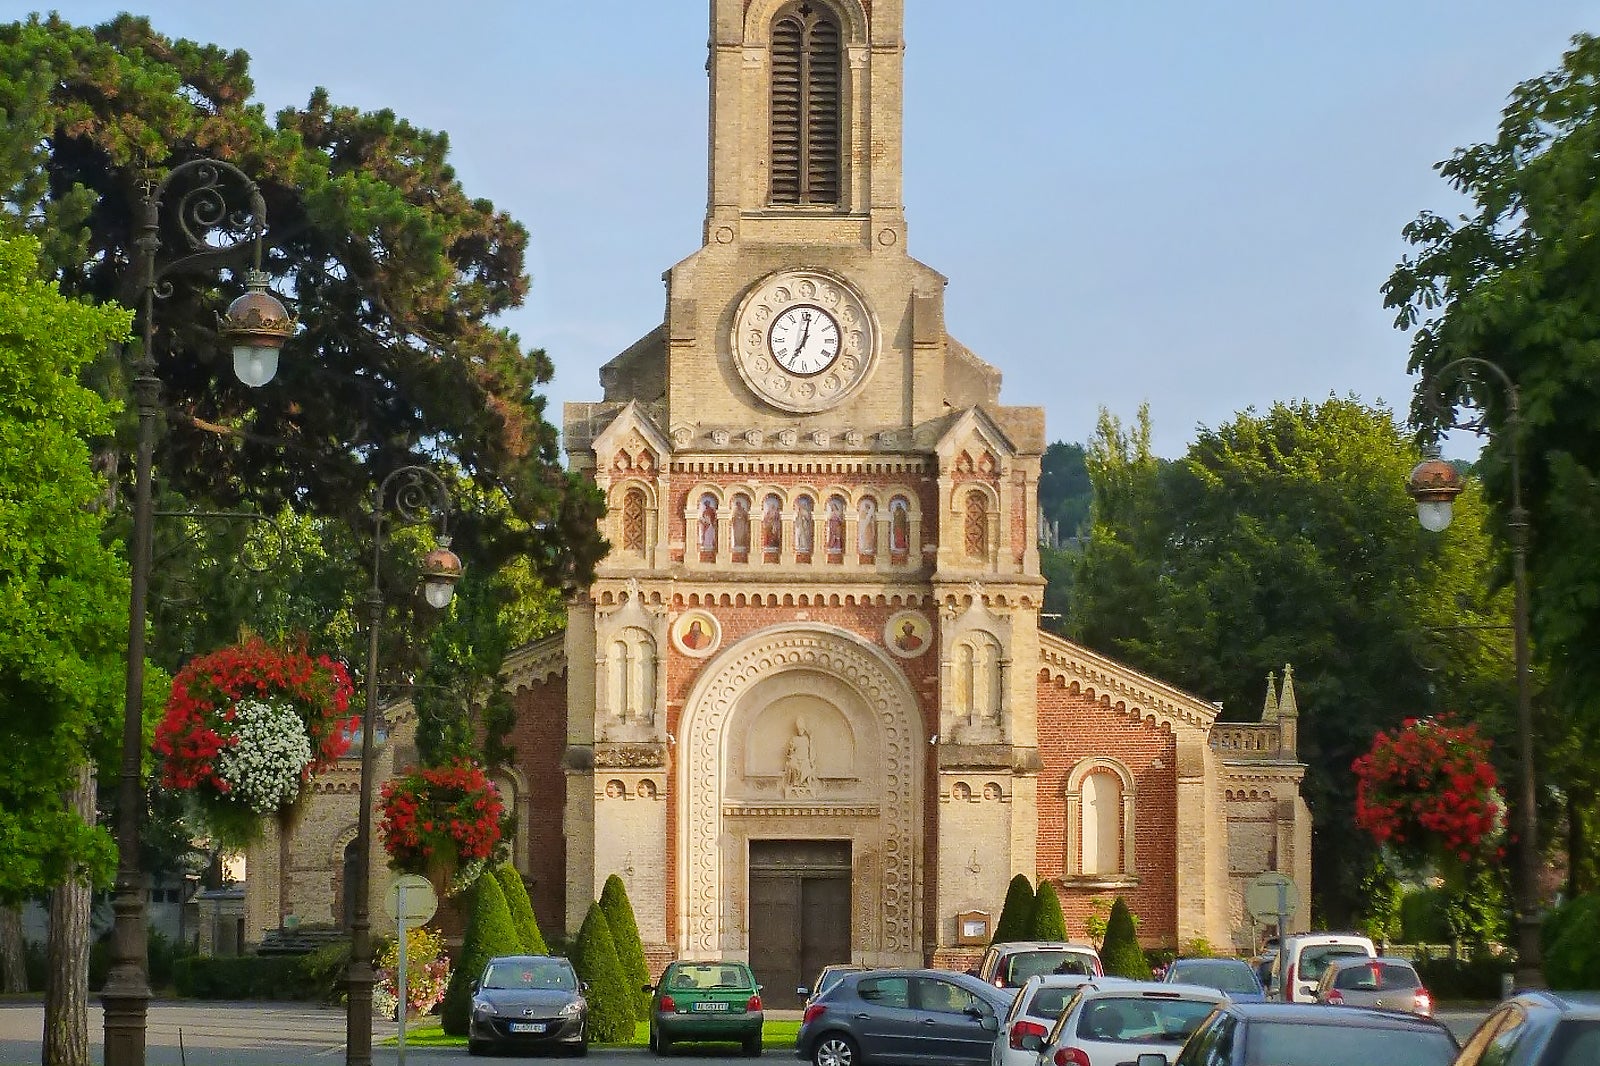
[438, 818]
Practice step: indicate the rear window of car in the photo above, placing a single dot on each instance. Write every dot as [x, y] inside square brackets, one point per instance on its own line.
[1216, 973]
[1378, 975]
[1141, 1021]
[1047, 1002]
[1016, 969]
[1314, 958]
[1299, 1044]
[707, 976]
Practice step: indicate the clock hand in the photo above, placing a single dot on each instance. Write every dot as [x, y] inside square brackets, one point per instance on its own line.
[805, 334]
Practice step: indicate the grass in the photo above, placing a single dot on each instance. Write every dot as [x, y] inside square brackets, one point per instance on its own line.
[426, 1033]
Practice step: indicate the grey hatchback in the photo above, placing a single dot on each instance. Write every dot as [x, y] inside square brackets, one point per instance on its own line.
[905, 1016]
[1538, 1029]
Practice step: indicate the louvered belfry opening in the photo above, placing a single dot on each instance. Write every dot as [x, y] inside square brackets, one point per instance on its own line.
[806, 67]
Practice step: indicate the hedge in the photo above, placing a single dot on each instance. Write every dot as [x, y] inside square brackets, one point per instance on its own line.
[1121, 954]
[1047, 922]
[316, 977]
[1017, 914]
[611, 1000]
[490, 932]
[521, 909]
[625, 936]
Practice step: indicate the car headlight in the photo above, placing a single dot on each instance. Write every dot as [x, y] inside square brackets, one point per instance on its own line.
[483, 1006]
[569, 1009]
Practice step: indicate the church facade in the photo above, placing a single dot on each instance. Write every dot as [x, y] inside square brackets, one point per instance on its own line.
[806, 710]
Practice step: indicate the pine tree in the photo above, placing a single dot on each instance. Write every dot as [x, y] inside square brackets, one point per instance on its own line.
[1017, 913]
[630, 949]
[611, 1002]
[521, 907]
[490, 932]
[1047, 922]
[1121, 954]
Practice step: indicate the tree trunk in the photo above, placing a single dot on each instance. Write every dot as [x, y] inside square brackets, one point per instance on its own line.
[66, 993]
[13, 951]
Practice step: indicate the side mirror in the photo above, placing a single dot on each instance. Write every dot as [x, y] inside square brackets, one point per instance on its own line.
[1032, 1042]
[989, 1023]
[583, 986]
[802, 992]
[1151, 1058]
[472, 986]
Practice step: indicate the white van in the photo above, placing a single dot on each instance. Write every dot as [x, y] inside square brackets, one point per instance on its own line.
[1302, 958]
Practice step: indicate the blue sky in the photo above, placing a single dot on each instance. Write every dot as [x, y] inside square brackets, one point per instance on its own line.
[1188, 204]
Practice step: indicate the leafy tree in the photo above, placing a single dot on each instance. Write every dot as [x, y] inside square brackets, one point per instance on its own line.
[1514, 281]
[625, 935]
[1016, 913]
[611, 1001]
[1064, 488]
[1121, 955]
[516, 893]
[1047, 922]
[490, 932]
[1570, 943]
[1284, 537]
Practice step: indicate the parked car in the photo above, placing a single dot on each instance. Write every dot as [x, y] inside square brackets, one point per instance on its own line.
[1302, 957]
[1235, 977]
[826, 979]
[1010, 964]
[1538, 1029]
[705, 1001]
[1038, 1004]
[1382, 983]
[907, 1016]
[1107, 1024]
[1263, 966]
[1302, 1034]
[528, 1002]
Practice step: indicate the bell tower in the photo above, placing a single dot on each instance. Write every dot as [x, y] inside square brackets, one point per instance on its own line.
[806, 120]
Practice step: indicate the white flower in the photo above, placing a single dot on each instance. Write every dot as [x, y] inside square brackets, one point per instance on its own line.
[264, 766]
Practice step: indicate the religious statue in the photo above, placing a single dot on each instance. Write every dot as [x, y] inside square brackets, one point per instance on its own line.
[899, 526]
[802, 525]
[740, 538]
[867, 527]
[708, 524]
[836, 525]
[771, 523]
[799, 762]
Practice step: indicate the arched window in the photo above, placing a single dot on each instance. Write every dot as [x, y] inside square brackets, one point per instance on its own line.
[976, 539]
[807, 63]
[633, 521]
[1100, 838]
[979, 681]
[631, 676]
[1102, 824]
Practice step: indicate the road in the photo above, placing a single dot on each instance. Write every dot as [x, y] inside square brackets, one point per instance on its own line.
[284, 1034]
[278, 1034]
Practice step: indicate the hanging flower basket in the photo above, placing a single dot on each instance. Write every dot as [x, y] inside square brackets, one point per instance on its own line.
[246, 726]
[1428, 793]
[437, 819]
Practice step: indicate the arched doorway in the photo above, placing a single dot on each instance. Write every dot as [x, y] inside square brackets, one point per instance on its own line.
[801, 752]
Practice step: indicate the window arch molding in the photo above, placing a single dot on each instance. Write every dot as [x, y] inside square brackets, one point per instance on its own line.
[762, 15]
[1124, 871]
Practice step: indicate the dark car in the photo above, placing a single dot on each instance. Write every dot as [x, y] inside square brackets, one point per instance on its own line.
[528, 1002]
[910, 1016]
[1236, 977]
[705, 1001]
[826, 979]
[1306, 1034]
[1538, 1029]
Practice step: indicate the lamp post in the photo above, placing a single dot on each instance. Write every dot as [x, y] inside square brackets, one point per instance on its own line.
[412, 495]
[1434, 484]
[209, 234]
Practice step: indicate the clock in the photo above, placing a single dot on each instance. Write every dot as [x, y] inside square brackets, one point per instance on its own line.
[803, 340]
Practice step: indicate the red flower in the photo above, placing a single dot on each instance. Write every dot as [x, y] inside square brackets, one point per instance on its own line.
[460, 811]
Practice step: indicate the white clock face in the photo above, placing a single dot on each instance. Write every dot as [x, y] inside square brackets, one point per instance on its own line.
[804, 339]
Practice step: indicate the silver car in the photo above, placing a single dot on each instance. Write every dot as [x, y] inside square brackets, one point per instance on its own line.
[1382, 983]
[1107, 1024]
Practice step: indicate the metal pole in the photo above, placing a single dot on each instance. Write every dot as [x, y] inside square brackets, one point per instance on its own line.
[403, 932]
[1529, 963]
[358, 996]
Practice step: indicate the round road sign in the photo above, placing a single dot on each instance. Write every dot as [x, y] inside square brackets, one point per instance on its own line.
[418, 897]
[1270, 895]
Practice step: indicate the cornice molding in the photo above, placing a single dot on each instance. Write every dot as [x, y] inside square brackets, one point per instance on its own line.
[1072, 663]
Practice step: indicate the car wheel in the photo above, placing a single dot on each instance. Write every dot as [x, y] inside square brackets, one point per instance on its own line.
[477, 1047]
[752, 1046]
[835, 1049]
[652, 1039]
[663, 1044]
[582, 1050]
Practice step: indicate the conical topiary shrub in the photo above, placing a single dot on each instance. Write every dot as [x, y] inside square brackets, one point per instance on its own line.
[1017, 913]
[490, 932]
[625, 935]
[594, 956]
[1121, 954]
[1047, 922]
[521, 909]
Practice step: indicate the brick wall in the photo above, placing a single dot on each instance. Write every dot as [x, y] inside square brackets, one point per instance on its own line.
[1075, 726]
[540, 739]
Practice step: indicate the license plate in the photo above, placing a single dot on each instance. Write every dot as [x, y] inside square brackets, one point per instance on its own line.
[711, 1006]
[528, 1027]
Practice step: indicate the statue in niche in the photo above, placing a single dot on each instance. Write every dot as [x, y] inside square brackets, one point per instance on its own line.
[740, 538]
[708, 524]
[799, 763]
[836, 525]
[867, 528]
[771, 523]
[899, 526]
[802, 525]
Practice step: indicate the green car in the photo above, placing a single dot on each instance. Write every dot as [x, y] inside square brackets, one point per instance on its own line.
[705, 1001]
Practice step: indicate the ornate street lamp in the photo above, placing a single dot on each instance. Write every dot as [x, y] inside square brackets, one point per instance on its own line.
[1434, 484]
[409, 496]
[210, 234]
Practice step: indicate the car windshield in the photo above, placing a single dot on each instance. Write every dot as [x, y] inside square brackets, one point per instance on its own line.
[1315, 958]
[1026, 964]
[1130, 1020]
[1225, 975]
[1047, 1002]
[707, 976]
[1298, 1044]
[530, 975]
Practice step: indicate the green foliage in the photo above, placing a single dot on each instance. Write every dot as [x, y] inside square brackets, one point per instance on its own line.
[63, 594]
[1288, 536]
[1017, 912]
[1064, 489]
[1570, 944]
[625, 936]
[1197, 948]
[516, 893]
[1046, 921]
[490, 932]
[1383, 918]
[1095, 924]
[1121, 954]
[611, 1001]
[1478, 979]
[239, 977]
[1476, 913]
